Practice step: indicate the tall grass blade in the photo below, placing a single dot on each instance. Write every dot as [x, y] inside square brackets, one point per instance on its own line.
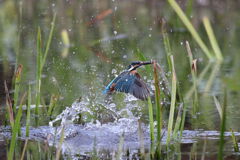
[157, 101]
[16, 127]
[204, 150]
[49, 41]
[28, 111]
[52, 104]
[190, 27]
[24, 149]
[212, 38]
[166, 42]
[150, 110]
[193, 67]
[173, 101]
[39, 70]
[177, 126]
[9, 105]
[235, 142]
[18, 74]
[223, 126]
[183, 120]
[41, 59]
[59, 148]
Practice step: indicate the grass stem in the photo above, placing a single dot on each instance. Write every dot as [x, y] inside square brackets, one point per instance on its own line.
[173, 101]
[223, 126]
[190, 27]
[212, 38]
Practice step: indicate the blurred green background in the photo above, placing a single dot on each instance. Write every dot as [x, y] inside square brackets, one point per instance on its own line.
[94, 40]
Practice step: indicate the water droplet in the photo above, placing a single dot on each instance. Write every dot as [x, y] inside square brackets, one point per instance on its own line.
[114, 71]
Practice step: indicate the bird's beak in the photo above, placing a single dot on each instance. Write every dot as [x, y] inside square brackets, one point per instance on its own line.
[146, 63]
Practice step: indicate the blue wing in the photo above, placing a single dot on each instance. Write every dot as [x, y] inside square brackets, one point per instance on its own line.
[114, 81]
[129, 83]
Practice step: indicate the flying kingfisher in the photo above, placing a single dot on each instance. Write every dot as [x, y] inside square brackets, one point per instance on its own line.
[129, 81]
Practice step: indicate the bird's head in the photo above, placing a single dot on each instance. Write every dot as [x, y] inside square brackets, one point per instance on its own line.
[136, 64]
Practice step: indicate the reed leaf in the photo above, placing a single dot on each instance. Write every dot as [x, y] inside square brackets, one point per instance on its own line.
[59, 148]
[190, 27]
[39, 70]
[49, 41]
[15, 130]
[157, 102]
[17, 80]
[24, 149]
[166, 42]
[223, 126]
[212, 38]
[28, 111]
[235, 142]
[9, 105]
[150, 110]
[173, 101]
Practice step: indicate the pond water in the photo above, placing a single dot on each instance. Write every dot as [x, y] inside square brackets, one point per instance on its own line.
[95, 40]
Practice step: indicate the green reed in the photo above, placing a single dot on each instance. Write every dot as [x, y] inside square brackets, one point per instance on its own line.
[157, 102]
[28, 111]
[223, 126]
[49, 41]
[41, 59]
[193, 68]
[52, 104]
[9, 106]
[212, 39]
[178, 122]
[39, 70]
[190, 28]
[17, 80]
[59, 148]
[173, 101]
[235, 142]
[16, 127]
[166, 43]
[151, 122]
[24, 149]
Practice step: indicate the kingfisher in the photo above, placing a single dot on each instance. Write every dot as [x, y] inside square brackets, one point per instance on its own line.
[129, 81]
